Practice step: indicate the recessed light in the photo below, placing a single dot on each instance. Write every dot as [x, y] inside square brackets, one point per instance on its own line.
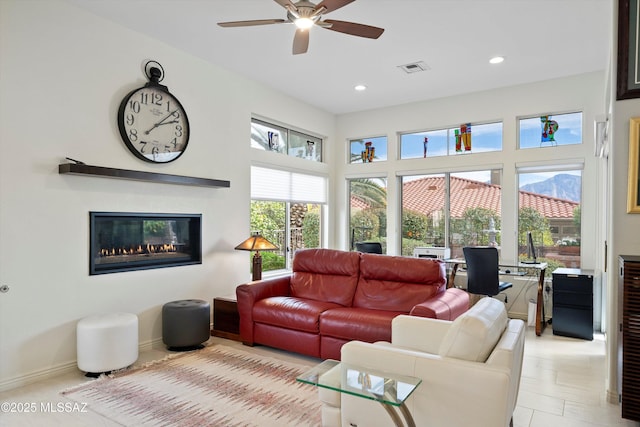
[496, 59]
[360, 88]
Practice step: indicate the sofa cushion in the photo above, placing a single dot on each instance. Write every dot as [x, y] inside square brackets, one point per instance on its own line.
[474, 334]
[325, 275]
[357, 323]
[291, 312]
[397, 283]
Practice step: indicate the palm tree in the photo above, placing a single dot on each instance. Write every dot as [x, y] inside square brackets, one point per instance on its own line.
[369, 192]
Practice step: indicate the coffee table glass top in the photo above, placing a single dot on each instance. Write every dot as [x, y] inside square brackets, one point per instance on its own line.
[387, 388]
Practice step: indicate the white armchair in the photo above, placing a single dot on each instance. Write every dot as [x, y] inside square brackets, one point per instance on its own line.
[470, 370]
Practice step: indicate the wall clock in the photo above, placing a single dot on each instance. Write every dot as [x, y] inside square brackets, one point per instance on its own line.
[152, 122]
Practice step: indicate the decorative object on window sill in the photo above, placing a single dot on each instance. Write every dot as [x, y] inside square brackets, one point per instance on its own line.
[549, 128]
[458, 140]
[463, 137]
[274, 141]
[256, 243]
[465, 133]
[152, 122]
[310, 149]
[80, 168]
[368, 153]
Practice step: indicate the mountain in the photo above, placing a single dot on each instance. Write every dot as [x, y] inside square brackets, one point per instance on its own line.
[561, 186]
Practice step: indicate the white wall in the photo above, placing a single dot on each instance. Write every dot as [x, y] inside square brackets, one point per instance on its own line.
[63, 73]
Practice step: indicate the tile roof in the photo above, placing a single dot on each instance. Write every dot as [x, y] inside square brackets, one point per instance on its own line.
[357, 202]
[426, 195]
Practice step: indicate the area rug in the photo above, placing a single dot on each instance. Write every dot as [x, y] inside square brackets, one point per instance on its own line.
[216, 386]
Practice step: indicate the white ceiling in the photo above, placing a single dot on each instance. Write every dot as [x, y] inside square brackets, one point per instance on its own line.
[541, 39]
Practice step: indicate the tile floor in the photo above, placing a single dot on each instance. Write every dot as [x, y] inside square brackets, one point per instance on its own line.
[563, 385]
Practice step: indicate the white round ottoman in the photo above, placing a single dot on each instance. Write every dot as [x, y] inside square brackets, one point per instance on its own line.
[107, 342]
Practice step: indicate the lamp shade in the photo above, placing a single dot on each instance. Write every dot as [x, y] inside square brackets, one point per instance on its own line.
[256, 243]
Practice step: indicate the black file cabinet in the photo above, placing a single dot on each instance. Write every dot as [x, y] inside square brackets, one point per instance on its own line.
[573, 303]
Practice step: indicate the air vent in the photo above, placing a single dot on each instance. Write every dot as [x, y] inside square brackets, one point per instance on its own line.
[414, 67]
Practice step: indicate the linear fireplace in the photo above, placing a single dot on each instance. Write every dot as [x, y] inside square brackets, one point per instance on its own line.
[139, 241]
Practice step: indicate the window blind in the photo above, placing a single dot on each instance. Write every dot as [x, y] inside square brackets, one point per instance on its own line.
[287, 186]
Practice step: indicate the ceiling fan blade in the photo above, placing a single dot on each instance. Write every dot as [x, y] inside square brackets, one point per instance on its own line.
[251, 23]
[286, 4]
[331, 5]
[354, 29]
[301, 41]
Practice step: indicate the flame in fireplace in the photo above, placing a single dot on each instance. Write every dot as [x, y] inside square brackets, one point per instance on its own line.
[149, 249]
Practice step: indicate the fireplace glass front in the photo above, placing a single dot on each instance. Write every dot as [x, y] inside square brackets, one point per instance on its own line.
[139, 241]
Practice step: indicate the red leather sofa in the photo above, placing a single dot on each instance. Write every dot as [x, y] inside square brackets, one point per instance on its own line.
[333, 297]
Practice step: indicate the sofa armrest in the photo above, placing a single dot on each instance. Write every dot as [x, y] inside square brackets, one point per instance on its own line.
[247, 295]
[418, 333]
[446, 305]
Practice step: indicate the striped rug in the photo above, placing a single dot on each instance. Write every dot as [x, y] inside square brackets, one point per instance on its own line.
[215, 386]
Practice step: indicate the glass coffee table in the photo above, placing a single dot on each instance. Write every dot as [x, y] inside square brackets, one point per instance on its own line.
[390, 390]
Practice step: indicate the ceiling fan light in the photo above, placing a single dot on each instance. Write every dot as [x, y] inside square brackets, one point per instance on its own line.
[360, 88]
[304, 23]
[496, 60]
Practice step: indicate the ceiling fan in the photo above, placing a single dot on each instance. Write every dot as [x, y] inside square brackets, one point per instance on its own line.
[305, 15]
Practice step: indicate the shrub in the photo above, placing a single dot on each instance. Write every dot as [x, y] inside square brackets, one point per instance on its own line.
[272, 261]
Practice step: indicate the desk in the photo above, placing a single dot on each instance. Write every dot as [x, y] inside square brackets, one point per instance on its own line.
[515, 270]
[389, 389]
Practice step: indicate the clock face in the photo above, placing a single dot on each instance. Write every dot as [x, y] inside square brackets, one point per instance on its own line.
[153, 124]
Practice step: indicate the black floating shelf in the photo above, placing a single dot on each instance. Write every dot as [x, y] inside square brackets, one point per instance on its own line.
[100, 171]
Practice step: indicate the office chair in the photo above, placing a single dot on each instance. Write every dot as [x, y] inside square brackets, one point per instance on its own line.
[369, 247]
[483, 271]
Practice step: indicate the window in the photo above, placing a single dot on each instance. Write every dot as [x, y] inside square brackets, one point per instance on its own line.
[279, 139]
[451, 210]
[290, 226]
[368, 211]
[475, 209]
[468, 138]
[269, 219]
[423, 211]
[550, 208]
[424, 144]
[286, 208]
[368, 150]
[550, 130]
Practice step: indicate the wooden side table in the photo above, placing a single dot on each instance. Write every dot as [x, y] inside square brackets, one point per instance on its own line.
[226, 320]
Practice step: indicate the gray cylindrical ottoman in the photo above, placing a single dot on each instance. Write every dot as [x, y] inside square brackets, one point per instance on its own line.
[185, 324]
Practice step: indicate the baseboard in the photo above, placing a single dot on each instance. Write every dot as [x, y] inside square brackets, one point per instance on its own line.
[63, 368]
[151, 345]
[521, 316]
[613, 397]
[39, 375]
